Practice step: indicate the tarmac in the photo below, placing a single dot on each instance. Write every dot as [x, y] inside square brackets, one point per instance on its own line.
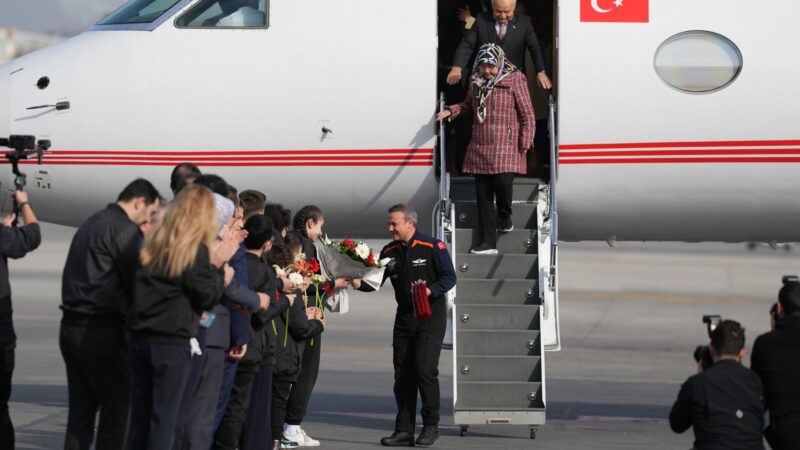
[630, 318]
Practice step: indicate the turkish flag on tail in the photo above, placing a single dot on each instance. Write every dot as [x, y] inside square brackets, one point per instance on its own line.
[615, 11]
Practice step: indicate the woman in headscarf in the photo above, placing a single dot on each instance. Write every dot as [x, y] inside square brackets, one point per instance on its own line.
[503, 128]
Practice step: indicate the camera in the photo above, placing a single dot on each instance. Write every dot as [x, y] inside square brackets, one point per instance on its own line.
[702, 354]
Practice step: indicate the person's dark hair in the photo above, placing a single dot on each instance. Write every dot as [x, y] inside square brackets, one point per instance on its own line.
[280, 255]
[259, 231]
[139, 188]
[233, 195]
[408, 212]
[293, 241]
[305, 214]
[214, 182]
[286, 214]
[253, 202]
[274, 214]
[789, 298]
[182, 172]
[728, 338]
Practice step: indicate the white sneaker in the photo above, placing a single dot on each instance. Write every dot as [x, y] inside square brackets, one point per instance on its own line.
[302, 438]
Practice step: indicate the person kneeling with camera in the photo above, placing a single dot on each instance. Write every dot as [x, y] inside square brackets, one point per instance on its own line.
[725, 402]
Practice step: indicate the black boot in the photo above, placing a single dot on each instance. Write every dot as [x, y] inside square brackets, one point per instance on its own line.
[429, 435]
[398, 439]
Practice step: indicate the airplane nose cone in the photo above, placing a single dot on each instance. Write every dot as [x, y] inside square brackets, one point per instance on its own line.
[5, 100]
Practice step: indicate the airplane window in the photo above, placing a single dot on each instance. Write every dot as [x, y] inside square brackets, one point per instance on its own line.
[139, 11]
[227, 14]
[698, 62]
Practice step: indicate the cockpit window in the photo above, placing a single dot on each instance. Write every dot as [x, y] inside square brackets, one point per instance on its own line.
[139, 11]
[226, 14]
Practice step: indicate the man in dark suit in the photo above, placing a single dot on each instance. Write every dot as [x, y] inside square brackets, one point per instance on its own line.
[512, 32]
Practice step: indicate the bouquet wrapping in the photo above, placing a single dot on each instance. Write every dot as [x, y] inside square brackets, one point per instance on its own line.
[422, 307]
[339, 265]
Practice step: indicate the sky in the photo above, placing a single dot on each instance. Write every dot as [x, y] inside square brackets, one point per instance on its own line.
[64, 17]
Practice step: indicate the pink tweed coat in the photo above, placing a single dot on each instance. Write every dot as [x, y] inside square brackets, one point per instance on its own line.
[498, 145]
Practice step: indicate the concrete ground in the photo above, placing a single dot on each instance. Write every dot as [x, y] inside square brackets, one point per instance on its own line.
[630, 319]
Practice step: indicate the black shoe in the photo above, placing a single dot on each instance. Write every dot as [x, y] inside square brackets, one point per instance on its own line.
[505, 226]
[429, 435]
[484, 249]
[398, 439]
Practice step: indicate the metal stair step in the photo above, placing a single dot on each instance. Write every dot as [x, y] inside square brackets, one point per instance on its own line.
[523, 215]
[497, 342]
[498, 292]
[491, 395]
[463, 189]
[499, 368]
[496, 266]
[515, 242]
[497, 317]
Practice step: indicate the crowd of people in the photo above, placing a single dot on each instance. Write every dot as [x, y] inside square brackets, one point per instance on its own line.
[726, 402]
[181, 330]
[177, 331]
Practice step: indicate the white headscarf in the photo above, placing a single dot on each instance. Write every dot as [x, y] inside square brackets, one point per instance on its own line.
[225, 208]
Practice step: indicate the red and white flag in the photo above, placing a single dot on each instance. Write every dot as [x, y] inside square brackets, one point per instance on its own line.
[615, 11]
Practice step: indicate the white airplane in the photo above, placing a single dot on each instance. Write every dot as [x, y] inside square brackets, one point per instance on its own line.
[676, 120]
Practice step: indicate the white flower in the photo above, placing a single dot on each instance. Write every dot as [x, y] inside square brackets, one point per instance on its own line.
[362, 250]
[327, 241]
[280, 272]
[300, 257]
[296, 278]
[317, 279]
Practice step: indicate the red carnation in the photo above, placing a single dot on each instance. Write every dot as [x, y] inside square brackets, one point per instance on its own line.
[349, 244]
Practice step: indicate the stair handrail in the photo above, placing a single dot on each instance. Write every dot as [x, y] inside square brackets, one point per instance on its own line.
[551, 123]
[444, 194]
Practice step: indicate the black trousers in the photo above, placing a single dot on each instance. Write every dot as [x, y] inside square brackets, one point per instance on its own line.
[488, 188]
[281, 389]
[190, 391]
[160, 372]
[232, 421]
[257, 432]
[6, 371]
[303, 388]
[198, 434]
[98, 378]
[417, 346]
[784, 435]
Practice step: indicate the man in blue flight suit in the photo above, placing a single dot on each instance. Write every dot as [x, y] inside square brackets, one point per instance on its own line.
[417, 343]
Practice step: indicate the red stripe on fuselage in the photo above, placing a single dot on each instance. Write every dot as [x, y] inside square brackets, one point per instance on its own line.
[680, 144]
[776, 159]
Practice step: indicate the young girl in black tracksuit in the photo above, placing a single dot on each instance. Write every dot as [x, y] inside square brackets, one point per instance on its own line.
[307, 226]
[290, 347]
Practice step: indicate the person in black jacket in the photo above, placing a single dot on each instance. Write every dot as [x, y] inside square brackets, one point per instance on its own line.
[514, 33]
[307, 226]
[724, 403]
[416, 343]
[259, 240]
[292, 330]
[15, 242]
[776, 359]
[96, 289]
[181, 276]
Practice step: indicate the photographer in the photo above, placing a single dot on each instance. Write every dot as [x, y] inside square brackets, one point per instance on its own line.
[776, 359]
[15, 242]
[725, 402]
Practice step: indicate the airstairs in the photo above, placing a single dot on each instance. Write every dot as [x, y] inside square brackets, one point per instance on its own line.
[505, 306]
